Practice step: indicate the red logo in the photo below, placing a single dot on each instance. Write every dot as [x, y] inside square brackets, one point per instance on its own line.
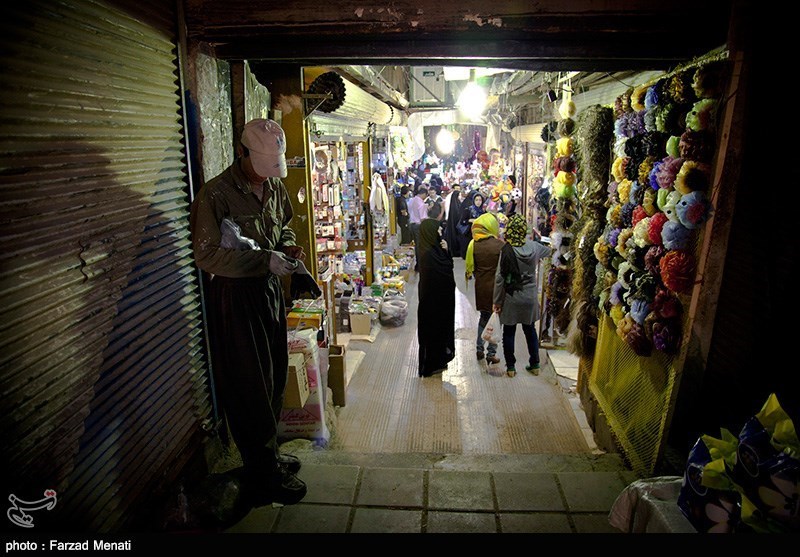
[50, 493]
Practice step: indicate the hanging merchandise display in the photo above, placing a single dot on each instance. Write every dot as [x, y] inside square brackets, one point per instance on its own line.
[594, 137]
[329, 224]
[658, 201]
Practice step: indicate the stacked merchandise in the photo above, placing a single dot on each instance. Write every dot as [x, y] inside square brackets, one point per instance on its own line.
[307, 422]
[665, 141]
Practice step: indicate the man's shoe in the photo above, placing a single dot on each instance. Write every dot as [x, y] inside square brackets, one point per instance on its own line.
[286, 488]
[290, 462]
[493, 359]
[534, 369]
[479, 356]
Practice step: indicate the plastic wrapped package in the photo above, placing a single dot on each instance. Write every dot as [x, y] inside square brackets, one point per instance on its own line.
[394, 310]
[232, 237]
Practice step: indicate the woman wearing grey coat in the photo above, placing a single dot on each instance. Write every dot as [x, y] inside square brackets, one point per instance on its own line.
[515, 296]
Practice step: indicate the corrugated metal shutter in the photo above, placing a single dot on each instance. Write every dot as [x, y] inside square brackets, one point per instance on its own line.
[103, 384]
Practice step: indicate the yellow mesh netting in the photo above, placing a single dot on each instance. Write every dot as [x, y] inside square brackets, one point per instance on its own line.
[634, 393]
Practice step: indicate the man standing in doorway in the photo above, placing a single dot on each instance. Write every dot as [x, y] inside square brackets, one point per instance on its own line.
[417, 212]
[241, 237]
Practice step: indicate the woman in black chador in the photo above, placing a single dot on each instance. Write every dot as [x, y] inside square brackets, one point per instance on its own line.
[436, 313]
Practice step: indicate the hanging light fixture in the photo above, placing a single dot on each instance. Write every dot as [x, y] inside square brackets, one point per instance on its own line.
[445, 141]
[472, 100]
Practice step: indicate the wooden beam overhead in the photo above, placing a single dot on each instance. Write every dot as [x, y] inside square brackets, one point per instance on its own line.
[576, 34]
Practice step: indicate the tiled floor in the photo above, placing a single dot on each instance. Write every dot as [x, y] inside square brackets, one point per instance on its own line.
[366, 499]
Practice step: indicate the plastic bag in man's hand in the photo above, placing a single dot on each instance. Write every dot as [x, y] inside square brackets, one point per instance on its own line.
[493, 331]
[232, 237]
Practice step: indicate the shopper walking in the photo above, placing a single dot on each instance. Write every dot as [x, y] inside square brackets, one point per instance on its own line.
[417, 212]
[473, 208]
[515, 296]
[436, 312]
[401, 210]
[241, 237]
[483, 254]
[454, 204]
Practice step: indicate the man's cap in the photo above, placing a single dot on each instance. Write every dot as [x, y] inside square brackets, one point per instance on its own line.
[267, 145]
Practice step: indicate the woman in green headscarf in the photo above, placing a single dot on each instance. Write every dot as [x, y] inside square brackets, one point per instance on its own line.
[436, 312]
[483, 253]
[515, 296]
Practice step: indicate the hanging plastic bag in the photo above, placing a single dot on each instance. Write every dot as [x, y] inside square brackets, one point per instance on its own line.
[493, 331]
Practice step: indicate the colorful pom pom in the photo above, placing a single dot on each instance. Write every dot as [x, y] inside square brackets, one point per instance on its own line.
[645, 286]
[649, 202]
[624, 190]
[615, 216]
[616, 294]
[673, 146]
[677, 271]
[638, 98]
[702, 116]
[693, 176]
[617, 313]
[709, 80]
[693, 209]
[566, 164]
[566, 127]
[668, 171]
[624, 326]
[653, 178]
[564, 146]
[639, 214]
[626, 214]
[645, 169]
[696, 146]
[674, 235]
[656, 224]
[667, 336]
[624, 235]
[651, 97]
[652, 260]
[566, 178]
[665, 305]
[567, 109]
[637, 340]
[619, 146]
[613, 236]
[650, 115]
[679, 88]
[601, 252]
[641, 231]
[618, 168]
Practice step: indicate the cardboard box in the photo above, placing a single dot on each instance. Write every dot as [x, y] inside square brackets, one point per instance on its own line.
[296, 320]
[360, 323]
[297, 388]
[337, 374]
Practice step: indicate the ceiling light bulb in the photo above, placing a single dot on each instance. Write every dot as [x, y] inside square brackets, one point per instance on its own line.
[472, 100]
[445, 142]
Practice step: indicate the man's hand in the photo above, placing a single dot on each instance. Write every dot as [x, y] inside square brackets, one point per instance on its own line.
[497, 308]
[279, 265]
[295, 252]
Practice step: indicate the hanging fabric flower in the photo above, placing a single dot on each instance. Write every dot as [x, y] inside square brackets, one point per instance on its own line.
[677, 271]
[645, 169]
[651, 97]
[566, 178]
[645, 286]
[564, 146]
[566, 127]
[641, 231]
[624, 236]
[627, 214]
[618, 108]
[629, 125]
[613, 236]
[666, 305]
[636, 196]
[567, 108]
[696, 146]
[624, 190]
[693, 176]
[655, 225]
[674, 235]
[562, 190]
[640, 309]
[619, 146]
[693, 209]
[602, 252]
[655, 144]
[638, 215]
[618, 168]
[549, 132]
[624, 326]
[616, 293]
[671, 204]
[667, 119]
[638, 98]
[679, 88]
[565, 164]
[702, 116]
[667, 336]
[673, 146]
[653, 178]
[709, 80]
[650, 116]
[637, 340]
[617, 313]
[614, 216]
[652, 260]
[649, 202]
[648, 325]
[668, 171]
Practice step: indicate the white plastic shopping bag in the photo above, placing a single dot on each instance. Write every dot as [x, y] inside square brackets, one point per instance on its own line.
[493, 331]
